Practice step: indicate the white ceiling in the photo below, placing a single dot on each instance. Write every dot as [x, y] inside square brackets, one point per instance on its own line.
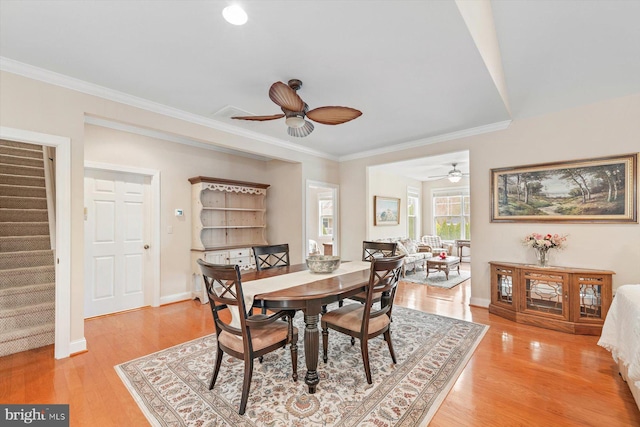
[411, 67]
[432, 168]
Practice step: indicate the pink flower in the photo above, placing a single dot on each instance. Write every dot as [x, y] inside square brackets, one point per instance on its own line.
[545, 241]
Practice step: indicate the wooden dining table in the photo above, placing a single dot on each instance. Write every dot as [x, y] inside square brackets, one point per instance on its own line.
[310, 298]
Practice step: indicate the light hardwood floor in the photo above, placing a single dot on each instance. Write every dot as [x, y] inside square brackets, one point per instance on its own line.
[519, 375]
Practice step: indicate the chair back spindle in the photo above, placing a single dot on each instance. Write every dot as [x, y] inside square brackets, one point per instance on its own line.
[271, 256]
[372, 250]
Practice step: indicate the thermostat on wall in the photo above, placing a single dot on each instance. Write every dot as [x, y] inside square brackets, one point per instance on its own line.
[179, 212]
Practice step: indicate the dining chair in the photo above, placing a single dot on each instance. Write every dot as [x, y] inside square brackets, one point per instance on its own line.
[271, 256]
[246, 337]
[362, 321]
[371, 250]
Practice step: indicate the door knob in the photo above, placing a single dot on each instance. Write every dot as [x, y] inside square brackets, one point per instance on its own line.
[146, 246]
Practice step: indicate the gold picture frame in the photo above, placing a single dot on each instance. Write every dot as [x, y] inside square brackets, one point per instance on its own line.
[602, 189]
[386, 210]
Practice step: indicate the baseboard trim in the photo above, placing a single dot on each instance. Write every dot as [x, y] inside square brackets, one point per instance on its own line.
[77, 346]
[170, 299]
[479, 302]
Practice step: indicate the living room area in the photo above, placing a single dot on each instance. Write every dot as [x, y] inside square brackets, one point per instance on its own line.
[433, 212]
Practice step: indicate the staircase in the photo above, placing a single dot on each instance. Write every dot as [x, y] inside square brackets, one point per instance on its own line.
[27, 270]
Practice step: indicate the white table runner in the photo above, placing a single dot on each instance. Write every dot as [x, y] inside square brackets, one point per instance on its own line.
[284, 281]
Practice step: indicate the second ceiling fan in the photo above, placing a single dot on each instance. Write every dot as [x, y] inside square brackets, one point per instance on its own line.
[295, 110]
[454, 175]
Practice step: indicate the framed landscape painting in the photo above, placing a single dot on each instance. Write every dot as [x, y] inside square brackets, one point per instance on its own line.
[589, 190]
[386, 210]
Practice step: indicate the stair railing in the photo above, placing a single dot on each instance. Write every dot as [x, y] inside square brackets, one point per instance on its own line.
[49, 155]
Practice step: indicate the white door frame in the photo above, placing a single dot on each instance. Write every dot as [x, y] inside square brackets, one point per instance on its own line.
[154, 227]
[336, 215]
[62, 340]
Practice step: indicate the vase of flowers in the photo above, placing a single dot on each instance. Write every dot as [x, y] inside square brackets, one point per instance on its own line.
[542, 243]
[542, 256]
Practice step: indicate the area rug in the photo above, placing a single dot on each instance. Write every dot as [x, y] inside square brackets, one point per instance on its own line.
[438, 279]
[171, 386]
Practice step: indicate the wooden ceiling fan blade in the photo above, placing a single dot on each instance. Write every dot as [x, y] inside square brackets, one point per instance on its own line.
[259, 118]
[333, 115]
[301, 131]
[285, 97]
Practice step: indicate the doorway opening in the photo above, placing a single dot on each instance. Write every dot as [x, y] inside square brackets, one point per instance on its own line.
[321, 219]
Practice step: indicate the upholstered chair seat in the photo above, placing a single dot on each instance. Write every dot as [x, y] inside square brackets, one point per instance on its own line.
[260, 338]
[350, 317]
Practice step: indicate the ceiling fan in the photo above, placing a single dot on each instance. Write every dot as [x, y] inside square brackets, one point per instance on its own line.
[295, 110]
[454, 175]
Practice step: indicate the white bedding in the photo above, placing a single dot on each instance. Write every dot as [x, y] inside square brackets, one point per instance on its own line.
[621, 331]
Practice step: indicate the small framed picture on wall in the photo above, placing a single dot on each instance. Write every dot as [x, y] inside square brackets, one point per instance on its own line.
[386, 210]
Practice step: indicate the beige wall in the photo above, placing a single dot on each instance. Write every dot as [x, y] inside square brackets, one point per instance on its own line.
[388, 185]
[601, 129]
[285, 206]
[35, 106]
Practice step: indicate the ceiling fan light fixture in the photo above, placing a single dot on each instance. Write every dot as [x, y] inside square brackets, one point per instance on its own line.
[301, 132]
[454, 174]
[235, 15]
[295, 121]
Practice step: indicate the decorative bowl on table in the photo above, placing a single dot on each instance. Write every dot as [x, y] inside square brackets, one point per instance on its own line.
[323, 263]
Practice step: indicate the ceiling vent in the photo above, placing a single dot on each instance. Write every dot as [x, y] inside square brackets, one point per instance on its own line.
[230, 111]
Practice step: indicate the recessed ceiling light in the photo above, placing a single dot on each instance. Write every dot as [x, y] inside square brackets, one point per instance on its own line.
[235, 15]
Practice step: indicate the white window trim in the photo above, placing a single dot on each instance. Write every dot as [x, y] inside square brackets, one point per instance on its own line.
[413, 192]
[321, 217]
[448, 191]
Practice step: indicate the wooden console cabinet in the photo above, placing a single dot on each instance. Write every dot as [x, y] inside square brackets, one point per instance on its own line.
[573, 300]
[227, 219]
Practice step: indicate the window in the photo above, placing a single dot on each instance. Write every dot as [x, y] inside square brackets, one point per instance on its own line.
[325, 208]
[413, 212]
[451, 214]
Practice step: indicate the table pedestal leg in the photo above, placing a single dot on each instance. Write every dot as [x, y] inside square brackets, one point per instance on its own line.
[311, 348]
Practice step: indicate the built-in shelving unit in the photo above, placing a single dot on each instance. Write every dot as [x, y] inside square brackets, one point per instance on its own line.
[228, 218]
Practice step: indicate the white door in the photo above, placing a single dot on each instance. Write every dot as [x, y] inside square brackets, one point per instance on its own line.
[117, 219]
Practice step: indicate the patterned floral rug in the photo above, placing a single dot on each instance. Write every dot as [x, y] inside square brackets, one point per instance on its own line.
[171, 386]
[438, 279]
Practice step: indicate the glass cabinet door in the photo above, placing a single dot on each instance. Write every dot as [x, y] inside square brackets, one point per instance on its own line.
[588, 292]
[503, 285]
[546, 293]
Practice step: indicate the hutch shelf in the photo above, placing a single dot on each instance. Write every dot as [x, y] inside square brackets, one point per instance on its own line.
[228, 218]
[573, 300]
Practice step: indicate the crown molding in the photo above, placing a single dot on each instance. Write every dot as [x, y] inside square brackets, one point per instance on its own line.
[57, 79]
[112, 124]
[491, 127]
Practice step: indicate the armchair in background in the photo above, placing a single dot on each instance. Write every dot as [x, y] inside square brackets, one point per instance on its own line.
[435, 245]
